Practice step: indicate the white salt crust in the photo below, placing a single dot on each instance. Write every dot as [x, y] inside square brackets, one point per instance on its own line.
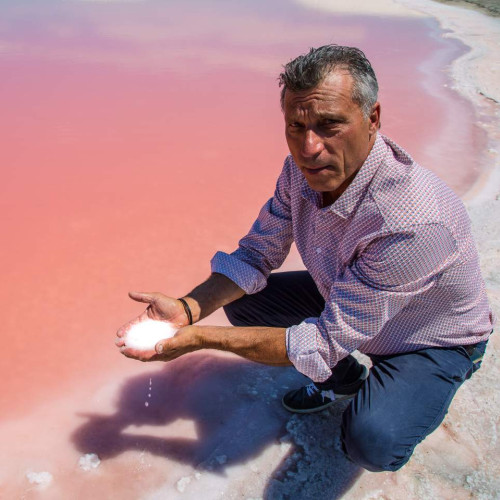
[89, 461]
[40, 478]
[146, 334]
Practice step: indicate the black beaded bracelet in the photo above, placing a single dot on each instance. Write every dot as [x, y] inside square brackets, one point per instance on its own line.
[187, 309]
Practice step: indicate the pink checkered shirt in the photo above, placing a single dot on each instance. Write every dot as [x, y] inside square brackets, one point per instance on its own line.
[394, 258]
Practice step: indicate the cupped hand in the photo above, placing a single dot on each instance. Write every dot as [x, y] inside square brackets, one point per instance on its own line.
[183, 342]
[160, 308]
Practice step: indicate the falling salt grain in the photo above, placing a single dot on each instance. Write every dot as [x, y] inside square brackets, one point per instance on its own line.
[146, 334]
[89, 461]
[146, 403]
[39, 478]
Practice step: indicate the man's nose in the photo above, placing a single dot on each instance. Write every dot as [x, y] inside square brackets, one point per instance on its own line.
[312, 144]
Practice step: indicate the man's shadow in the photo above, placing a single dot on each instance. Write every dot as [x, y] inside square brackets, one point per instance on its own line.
[236, 411]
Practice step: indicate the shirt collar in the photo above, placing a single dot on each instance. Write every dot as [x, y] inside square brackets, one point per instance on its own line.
[349, 199]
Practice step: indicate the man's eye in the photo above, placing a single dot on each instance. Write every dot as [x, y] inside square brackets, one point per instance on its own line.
[295, 125]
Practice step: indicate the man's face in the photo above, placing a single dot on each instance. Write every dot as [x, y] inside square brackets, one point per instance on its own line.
[327, 133]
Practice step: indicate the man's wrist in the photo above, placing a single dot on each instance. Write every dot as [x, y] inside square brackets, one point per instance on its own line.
[187, 311]
[210, 337]
[191, 308]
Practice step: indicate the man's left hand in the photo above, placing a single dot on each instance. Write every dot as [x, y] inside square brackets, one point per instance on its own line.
[183, 342]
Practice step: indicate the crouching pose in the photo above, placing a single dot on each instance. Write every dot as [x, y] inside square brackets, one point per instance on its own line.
[391, 271]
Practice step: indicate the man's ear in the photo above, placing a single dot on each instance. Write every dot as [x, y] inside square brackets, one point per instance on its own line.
[374, 118]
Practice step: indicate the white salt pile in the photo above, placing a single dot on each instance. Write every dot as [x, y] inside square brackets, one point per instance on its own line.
[146, 334]
[89, 461]
[40, 478]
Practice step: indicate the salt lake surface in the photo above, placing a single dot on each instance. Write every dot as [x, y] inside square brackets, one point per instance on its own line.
[138, 138]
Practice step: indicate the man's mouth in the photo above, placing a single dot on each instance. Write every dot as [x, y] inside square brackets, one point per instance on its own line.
[315, 170]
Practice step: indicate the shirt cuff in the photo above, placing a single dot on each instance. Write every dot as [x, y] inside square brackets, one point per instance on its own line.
[302, 351]
[244, 275]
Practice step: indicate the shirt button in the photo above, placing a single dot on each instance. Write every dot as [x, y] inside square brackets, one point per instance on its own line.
[318, 250]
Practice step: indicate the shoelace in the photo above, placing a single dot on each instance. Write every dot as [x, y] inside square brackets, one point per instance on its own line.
[311, 389]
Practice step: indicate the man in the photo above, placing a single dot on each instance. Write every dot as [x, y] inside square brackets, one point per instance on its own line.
[392, 271]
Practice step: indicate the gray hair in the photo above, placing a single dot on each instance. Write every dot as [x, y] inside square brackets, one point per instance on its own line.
[308, 70]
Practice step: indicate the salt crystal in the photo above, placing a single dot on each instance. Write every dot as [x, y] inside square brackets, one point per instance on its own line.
[182, 483]
[89, 461]
[146, 334]
[40, 478]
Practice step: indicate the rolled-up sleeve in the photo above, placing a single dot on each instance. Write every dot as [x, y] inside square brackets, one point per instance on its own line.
[371, 291]
[266, 245]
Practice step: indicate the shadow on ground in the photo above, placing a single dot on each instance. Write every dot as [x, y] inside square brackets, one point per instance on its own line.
[236, 410]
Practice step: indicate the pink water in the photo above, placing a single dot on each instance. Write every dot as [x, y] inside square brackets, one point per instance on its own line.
[140, 138]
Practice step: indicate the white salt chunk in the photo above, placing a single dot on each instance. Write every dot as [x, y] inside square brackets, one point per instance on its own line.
[182, 484]
[89, 461]
[146, 334]
[40, 478]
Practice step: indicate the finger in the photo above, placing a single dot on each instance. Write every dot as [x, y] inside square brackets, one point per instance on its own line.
[120, 342]
[163, 346]
[145, 297]
[169, 349]
[138, 354]
[121, 332]
[170, 354]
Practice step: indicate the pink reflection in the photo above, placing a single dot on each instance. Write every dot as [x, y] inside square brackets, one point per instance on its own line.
[139, 138]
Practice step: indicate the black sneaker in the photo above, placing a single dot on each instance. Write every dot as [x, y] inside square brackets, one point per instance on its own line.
[309, 399]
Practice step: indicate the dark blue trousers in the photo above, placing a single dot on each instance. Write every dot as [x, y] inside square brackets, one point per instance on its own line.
[405, 397]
